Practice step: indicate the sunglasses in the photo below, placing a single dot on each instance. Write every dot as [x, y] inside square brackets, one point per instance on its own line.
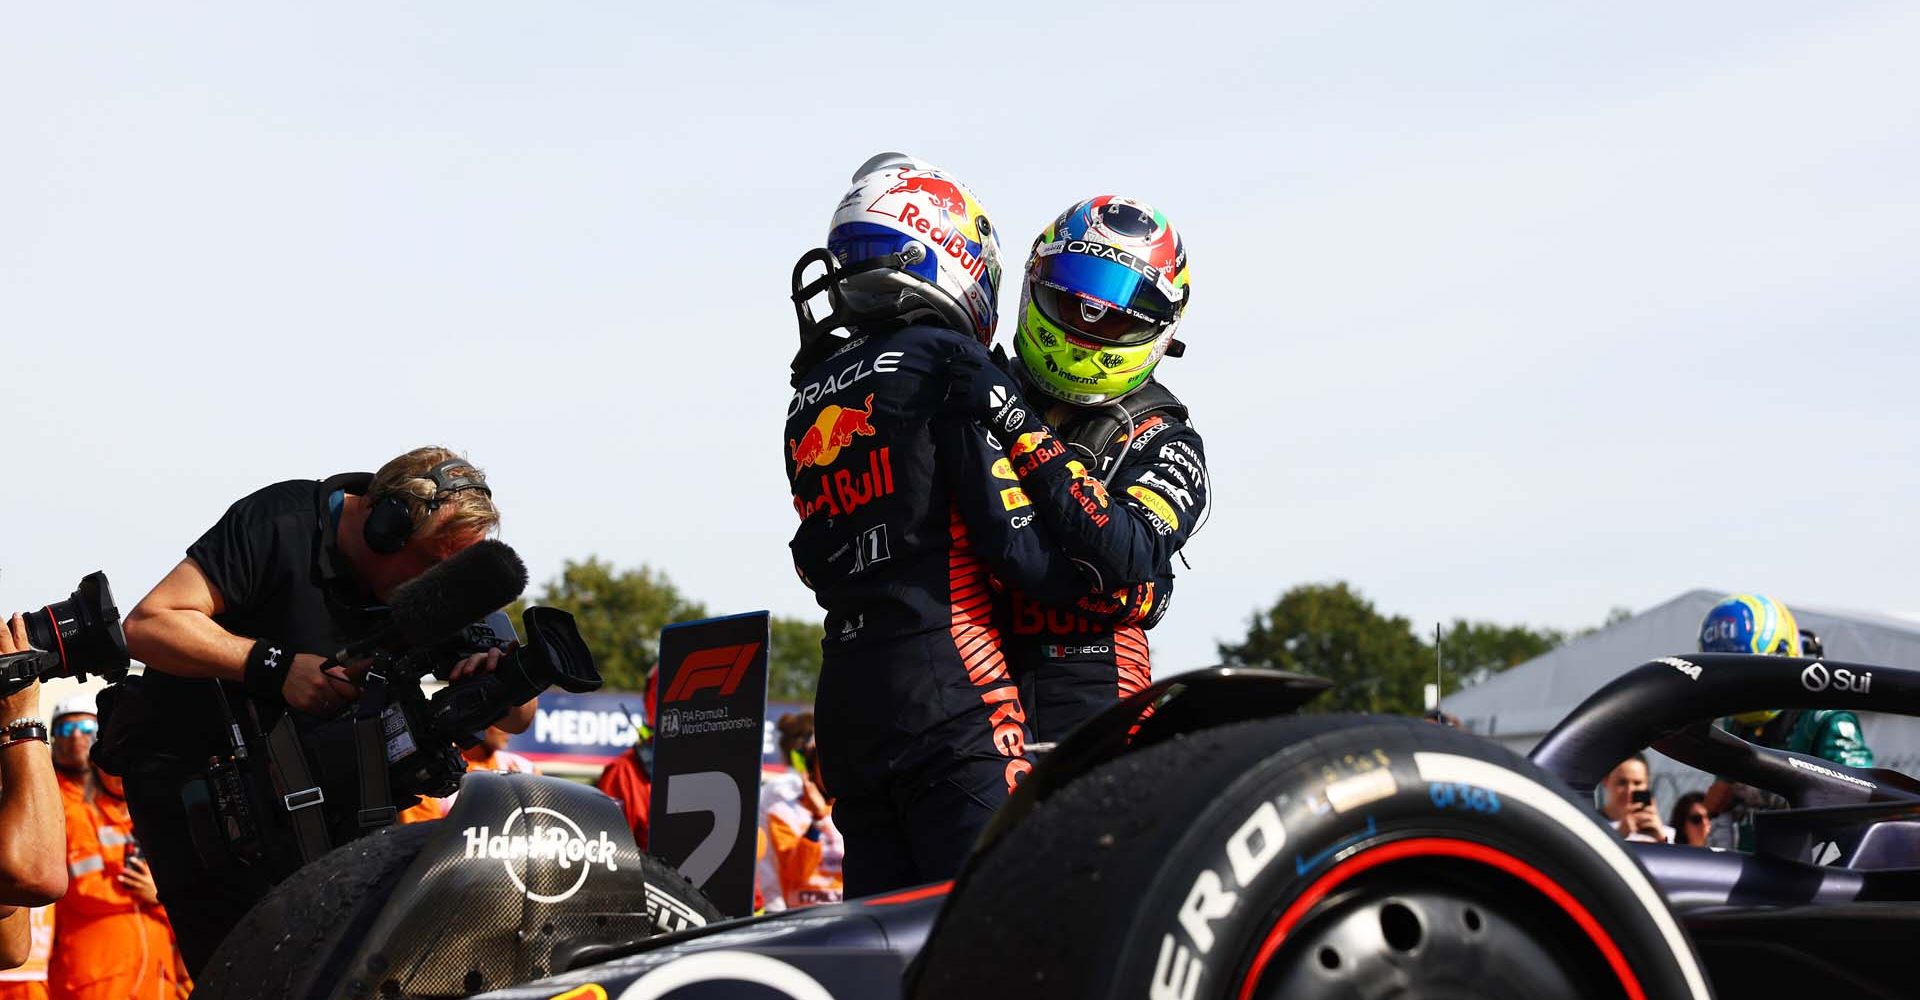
[68, 727]
[1698, 818]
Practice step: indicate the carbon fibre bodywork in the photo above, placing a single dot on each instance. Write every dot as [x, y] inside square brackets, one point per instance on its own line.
[525, 874]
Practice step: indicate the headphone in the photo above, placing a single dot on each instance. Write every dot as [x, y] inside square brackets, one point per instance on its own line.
[390, 519]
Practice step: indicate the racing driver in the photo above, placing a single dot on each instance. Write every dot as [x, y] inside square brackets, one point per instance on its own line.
[920, 729]
[1751, 623]
[1111, 466]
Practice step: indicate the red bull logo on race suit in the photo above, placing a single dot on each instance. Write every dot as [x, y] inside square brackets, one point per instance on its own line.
[832, 430]
[842, 492]
[838, 491]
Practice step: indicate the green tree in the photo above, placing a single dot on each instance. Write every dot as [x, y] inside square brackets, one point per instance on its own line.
[621, 612]
[793, 659]
[1615, 615]
[1475, 651]
[1376, 662]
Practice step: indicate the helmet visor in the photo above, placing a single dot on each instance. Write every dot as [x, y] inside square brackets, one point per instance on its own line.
[1102, 299]
[855, 244]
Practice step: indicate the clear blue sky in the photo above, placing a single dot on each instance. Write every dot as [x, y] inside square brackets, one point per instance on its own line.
[1514, 312]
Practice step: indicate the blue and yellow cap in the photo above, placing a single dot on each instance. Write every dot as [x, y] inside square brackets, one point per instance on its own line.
[1750, 623]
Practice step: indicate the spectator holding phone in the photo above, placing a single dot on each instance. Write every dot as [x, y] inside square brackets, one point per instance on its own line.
[1629, 806]
[111, 937]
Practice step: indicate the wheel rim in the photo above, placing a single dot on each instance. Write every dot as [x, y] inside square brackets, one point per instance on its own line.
[1438, 918]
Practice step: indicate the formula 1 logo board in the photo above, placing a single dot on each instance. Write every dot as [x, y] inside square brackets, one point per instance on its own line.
[707, 748]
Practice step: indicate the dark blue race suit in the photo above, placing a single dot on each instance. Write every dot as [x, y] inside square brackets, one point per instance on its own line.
[920, 727]
[1119, 488]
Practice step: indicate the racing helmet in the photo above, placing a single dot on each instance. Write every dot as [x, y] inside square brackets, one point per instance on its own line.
[1750, 623]
[1105, 286]
[909, 243]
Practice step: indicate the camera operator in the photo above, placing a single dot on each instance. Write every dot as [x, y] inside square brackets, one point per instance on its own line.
[236, 638]
[33, 827]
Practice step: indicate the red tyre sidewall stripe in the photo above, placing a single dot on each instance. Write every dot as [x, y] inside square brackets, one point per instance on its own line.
[1427, 847]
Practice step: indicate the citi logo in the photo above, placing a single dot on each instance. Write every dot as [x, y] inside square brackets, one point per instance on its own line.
[1818, 678]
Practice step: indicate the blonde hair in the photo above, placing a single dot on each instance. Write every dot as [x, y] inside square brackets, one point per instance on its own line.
[468, 513]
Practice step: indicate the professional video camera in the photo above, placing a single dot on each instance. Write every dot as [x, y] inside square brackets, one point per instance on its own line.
[439, 726]
[429, 625]
[397, 741]
[70, 638]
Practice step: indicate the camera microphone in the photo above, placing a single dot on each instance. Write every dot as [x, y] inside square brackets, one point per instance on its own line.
[454, 593]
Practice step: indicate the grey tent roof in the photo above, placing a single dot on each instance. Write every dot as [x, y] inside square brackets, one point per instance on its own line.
[1526, 700]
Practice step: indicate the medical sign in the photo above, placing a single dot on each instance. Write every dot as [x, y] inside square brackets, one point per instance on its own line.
[708, 742]
[592, 729]
[580, 728]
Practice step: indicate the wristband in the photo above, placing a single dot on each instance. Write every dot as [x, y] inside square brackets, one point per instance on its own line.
[267, 664]
[24, 731]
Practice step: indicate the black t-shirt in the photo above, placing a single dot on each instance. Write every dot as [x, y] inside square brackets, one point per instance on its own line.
[274, 560]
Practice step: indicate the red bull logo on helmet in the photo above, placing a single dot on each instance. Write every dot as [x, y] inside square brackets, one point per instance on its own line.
[944, 192]
[957, 232]
[834, 429]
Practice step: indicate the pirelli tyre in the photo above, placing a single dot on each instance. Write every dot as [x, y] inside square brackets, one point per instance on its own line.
[451, 907]
[1304, 857]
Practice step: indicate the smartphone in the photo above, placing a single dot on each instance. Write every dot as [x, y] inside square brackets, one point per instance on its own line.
[1642, 797]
